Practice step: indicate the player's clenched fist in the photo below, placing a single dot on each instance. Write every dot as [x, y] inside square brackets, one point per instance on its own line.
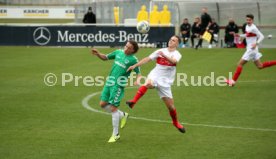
[131, 68]
[94, 51]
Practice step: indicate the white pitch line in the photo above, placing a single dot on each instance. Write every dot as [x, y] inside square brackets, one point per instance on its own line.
[88, 107]
[254, 81]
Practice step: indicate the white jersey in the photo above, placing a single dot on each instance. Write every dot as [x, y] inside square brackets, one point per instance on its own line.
[252, 35]
[164, 72]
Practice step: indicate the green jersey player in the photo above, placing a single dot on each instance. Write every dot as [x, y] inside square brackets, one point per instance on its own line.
[113, 90]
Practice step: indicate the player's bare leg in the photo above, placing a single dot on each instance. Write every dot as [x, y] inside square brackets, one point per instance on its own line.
[141, 91]
[103, 104]
[266, 64]
[170, 105]
[231, 82]
[258, 64]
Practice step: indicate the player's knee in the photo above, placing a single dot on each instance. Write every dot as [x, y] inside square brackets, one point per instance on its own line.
[113, 108]
[107, 108]
[149, 85]
[102, 104]
[239, 65]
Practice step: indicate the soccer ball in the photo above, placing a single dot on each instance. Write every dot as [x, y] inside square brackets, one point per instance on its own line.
[143, 27]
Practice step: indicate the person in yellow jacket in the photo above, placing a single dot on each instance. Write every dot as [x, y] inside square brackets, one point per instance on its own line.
[165, 16]
[142, 14]
[154, 16]
[116, 15]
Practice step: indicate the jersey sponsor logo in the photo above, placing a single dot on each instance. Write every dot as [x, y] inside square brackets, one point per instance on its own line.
[120, 64]
[248, 34]
[163, 61]
[126, 61]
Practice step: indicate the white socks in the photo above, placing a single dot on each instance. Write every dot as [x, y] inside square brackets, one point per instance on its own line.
[116, 116]
[115, 122]
[121, 113]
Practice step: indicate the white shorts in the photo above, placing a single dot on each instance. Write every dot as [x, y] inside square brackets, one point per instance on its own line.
[163, 91]
[162, 79]
[253, 55]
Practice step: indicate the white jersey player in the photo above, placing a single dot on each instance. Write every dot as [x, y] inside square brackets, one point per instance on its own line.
[161, 77]
[253, 39]
[164, 72]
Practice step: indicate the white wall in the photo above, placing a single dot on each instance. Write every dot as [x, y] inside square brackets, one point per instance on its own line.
[41, 12]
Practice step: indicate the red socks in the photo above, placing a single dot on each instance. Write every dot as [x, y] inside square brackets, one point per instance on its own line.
[173, 115]
[269, 63]
[237, 73]
[239, 68]
[141, 91]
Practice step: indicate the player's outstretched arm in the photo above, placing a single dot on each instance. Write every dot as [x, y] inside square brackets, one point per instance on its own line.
[143, 61]
[260, 36]
[98, 54]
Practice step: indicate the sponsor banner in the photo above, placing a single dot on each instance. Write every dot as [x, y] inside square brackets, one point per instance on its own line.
[80, 35]
[37, 12]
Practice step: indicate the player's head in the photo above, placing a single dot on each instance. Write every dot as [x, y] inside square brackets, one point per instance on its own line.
[231, 21]
[143, 7]
[155, 7]
[185, 20]
[89, 9]
[165, 7]
[131, 47]
[204, 10]
[197, 19]
[249, 18]
[213, 20]
[174, 41]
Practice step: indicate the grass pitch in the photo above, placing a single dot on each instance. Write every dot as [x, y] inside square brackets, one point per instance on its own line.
[38, 121]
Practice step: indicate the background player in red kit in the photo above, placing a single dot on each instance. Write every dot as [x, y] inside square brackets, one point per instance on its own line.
[253, 38]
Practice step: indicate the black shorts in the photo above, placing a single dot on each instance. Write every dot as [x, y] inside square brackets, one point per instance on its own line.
[202, 31]
[185, 35]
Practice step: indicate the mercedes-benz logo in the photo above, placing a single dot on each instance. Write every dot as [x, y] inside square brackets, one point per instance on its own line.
[41, 36]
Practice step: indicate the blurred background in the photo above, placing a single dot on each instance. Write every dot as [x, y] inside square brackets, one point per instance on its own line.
[73, 11]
